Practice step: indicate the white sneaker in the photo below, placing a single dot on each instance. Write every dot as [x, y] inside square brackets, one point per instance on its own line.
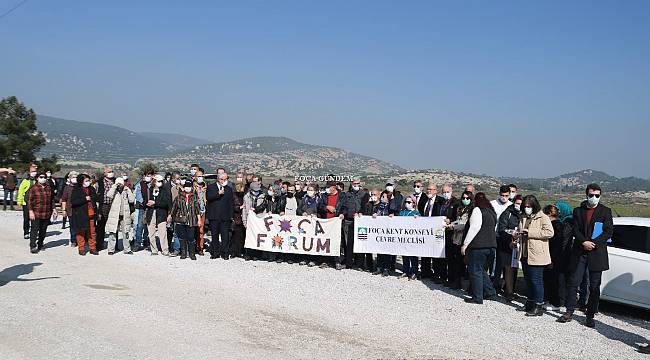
[549, 307]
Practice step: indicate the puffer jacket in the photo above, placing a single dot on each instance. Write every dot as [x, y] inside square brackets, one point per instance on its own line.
[534, 246]
[120, 206]
[186, 212]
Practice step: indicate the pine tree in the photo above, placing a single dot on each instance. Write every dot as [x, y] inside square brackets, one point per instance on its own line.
[20, 139]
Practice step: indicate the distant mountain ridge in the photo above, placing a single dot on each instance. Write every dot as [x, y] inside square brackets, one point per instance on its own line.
[577, 181]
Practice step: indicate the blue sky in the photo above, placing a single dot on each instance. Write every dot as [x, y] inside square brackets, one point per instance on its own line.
[510, 88]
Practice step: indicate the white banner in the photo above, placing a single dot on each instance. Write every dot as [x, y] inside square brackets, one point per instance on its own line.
[293, 234]
[400, 235]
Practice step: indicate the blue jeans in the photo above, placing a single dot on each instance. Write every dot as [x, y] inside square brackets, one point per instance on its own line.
[480, 260]
[140, 230]
[176, 245]
[410, 265]
[534, 276]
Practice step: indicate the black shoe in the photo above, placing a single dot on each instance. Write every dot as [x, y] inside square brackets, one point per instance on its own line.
[590, 323]
[644, 349]
[226, 257]
[247, 258]
[491, 298]
[377, 272]
[82, 253]
[566, 317]
[33, 250]
[26, 236]
[129, 252]
[213, 257]
[340, 266]
[536, 311]
[385, 273]
[94, 252]
[192, 257]
[111, 252]
[472, 301]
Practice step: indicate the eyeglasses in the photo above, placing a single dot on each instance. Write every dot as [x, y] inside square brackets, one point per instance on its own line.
[597, 196]
[465, 198]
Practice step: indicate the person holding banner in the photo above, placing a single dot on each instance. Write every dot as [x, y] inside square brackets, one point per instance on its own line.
[255, 200]
[372, 207]
[334, 204]
[480, 246]
[410, 263]
[508, 223]
[383, 260]
[432, 208]
[456, 263]
[356, 201]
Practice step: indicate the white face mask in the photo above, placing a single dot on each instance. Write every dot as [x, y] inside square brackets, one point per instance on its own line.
[417, 190]
[48, 174]
[199, 179]
[73, 180]
[32, 174]
[86, 183]
[147, 178]
[187, 189]
[503, 199]
[593, 201]
[512, 195]
[298, 188]
[270, 192]
[177, 181]
[42, 181]
[518, 207]
[240, 179]
[125, 177]
[447, 195]
[159, 183]
[310, 193]
[409, 206]
[327, 191]
[528, 210]
[110, 175]
[430, 196]
[373, 198]
[193, 172]
[356, 187]
[390, 188]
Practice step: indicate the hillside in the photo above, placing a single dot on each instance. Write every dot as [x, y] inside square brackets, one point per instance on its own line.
[577, 181]
[180, 141]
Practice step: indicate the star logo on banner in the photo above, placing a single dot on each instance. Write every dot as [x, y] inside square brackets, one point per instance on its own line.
[285, 225]
[277, 241]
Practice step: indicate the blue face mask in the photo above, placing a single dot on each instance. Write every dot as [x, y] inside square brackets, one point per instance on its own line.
[466, 202]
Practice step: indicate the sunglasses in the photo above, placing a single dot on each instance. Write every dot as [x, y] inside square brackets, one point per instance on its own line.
[417, 186]
[597, 196]
[465, 198]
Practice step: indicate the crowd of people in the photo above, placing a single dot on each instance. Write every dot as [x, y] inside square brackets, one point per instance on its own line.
[562, 251]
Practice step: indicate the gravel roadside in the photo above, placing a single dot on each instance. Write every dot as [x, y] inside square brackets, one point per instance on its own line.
[59, 305]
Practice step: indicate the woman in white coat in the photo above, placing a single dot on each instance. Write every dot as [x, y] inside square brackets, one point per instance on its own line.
[119, 216]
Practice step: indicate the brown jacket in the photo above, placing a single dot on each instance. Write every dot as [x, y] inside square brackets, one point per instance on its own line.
[534, 246]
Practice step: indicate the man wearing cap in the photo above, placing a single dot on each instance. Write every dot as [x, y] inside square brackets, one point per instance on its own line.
[104, 204]
[219, 211]
[41, 208]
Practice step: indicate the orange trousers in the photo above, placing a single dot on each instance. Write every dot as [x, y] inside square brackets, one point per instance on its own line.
[200, 236]
[89, 235]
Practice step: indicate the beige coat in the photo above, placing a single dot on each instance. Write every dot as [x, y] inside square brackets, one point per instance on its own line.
[120, 202]
[534, 246]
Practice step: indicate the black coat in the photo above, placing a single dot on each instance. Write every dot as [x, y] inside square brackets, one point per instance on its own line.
[162, 205]
[508, 220]
[597, 259]
[219, 206]
[79, 206]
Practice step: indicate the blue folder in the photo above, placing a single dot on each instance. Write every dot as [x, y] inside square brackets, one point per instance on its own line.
[598, 230]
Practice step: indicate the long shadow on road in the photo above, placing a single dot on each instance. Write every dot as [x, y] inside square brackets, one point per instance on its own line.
[14, 272]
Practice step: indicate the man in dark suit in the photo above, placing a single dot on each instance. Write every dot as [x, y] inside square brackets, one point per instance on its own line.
[219, 211]
[593, 228]
[420, 197]
[432, 207]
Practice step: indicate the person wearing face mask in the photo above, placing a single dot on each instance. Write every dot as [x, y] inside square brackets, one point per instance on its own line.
[219, 212]
[458, 226]
[308, 206]
[104, 205]
[479, 246]
[185, 213]
[127, 182]
[53, 185]
[66, 205]
[158, 208]
[508, 222]
[41, 208]
[333, 204]
[513, 192]
[420, 197]
[356, 198]
[300, 189]
[174, 187]
[254, 200]
[193, 169]
[141, 200]
[200, 190]
[593, 227]
[535, 230]
[432, 207]
[238, 229]
[384, 261]
[565, 216]
[23, 196]
[500, 204]
[448, 210]
[226, 182]
[83, 201]
[119, 216]
[409, 263]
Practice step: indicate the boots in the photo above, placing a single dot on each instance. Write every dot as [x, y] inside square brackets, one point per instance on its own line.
[183, 249]
[192, 251]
